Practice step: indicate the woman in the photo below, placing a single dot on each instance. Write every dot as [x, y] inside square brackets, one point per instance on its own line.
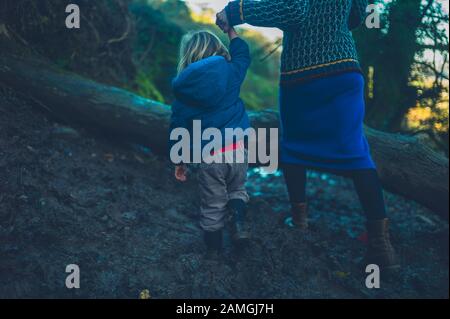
[321, 103]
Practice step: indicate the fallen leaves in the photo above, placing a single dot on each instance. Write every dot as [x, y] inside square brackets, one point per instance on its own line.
[145, 294]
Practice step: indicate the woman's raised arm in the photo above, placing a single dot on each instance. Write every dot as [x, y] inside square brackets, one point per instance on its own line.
[281, 14]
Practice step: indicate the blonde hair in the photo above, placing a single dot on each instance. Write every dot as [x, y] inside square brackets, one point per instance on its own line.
[198, 45]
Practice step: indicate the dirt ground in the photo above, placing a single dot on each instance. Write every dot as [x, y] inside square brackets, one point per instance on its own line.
[67, 197]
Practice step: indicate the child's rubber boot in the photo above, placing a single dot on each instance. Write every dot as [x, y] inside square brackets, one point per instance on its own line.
[213, 241]
[240, 230]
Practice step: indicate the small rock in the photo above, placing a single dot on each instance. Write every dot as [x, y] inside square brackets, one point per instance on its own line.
[110, 224]
[130, 216]
[66, 132]
[31, 149]
[42, 202]
[35, 220]
[172, 212]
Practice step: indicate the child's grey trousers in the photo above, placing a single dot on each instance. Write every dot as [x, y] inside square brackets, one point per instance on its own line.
[219, 183]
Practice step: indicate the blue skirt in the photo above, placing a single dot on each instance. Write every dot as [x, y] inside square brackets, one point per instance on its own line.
[322, 123]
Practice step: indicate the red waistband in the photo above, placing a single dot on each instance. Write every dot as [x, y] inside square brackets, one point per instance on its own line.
[232, 147]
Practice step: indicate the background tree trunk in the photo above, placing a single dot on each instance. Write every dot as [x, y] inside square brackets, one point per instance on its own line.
[406, 166]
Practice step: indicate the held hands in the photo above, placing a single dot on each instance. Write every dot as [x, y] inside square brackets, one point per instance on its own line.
[180, 173]
[222, 23]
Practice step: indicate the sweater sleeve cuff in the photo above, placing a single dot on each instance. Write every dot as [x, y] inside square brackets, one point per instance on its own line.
[235, 12]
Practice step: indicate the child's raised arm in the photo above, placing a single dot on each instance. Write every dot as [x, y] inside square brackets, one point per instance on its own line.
[240, 54]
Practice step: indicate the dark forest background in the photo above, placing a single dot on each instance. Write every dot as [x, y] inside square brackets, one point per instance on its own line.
[84, 179]
[133, 44]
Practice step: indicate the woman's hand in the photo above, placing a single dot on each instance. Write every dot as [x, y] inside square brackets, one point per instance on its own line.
[180, 173]
[222, 21]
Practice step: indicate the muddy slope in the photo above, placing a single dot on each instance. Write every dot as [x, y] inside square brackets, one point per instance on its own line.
[115, 210]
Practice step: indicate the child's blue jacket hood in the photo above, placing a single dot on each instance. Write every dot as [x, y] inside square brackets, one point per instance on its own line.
[209, 90]
[204, 83]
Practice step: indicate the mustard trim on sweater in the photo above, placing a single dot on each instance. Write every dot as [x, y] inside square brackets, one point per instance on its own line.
[241, 9]
[318, 66]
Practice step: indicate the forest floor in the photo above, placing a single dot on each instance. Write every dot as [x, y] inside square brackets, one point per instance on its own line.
[67, 197]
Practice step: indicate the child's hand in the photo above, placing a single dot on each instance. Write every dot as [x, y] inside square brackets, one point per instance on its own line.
[180, 173]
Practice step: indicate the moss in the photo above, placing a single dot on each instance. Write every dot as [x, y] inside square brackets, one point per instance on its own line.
[146, 88]
[259, 92]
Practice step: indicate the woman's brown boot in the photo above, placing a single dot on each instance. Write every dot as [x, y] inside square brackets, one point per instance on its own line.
[380, 251]
[299, 213]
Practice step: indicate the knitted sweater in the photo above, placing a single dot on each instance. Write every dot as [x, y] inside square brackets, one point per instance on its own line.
[317, 33]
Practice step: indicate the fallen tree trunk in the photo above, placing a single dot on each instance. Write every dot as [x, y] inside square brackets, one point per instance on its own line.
[406, 166]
